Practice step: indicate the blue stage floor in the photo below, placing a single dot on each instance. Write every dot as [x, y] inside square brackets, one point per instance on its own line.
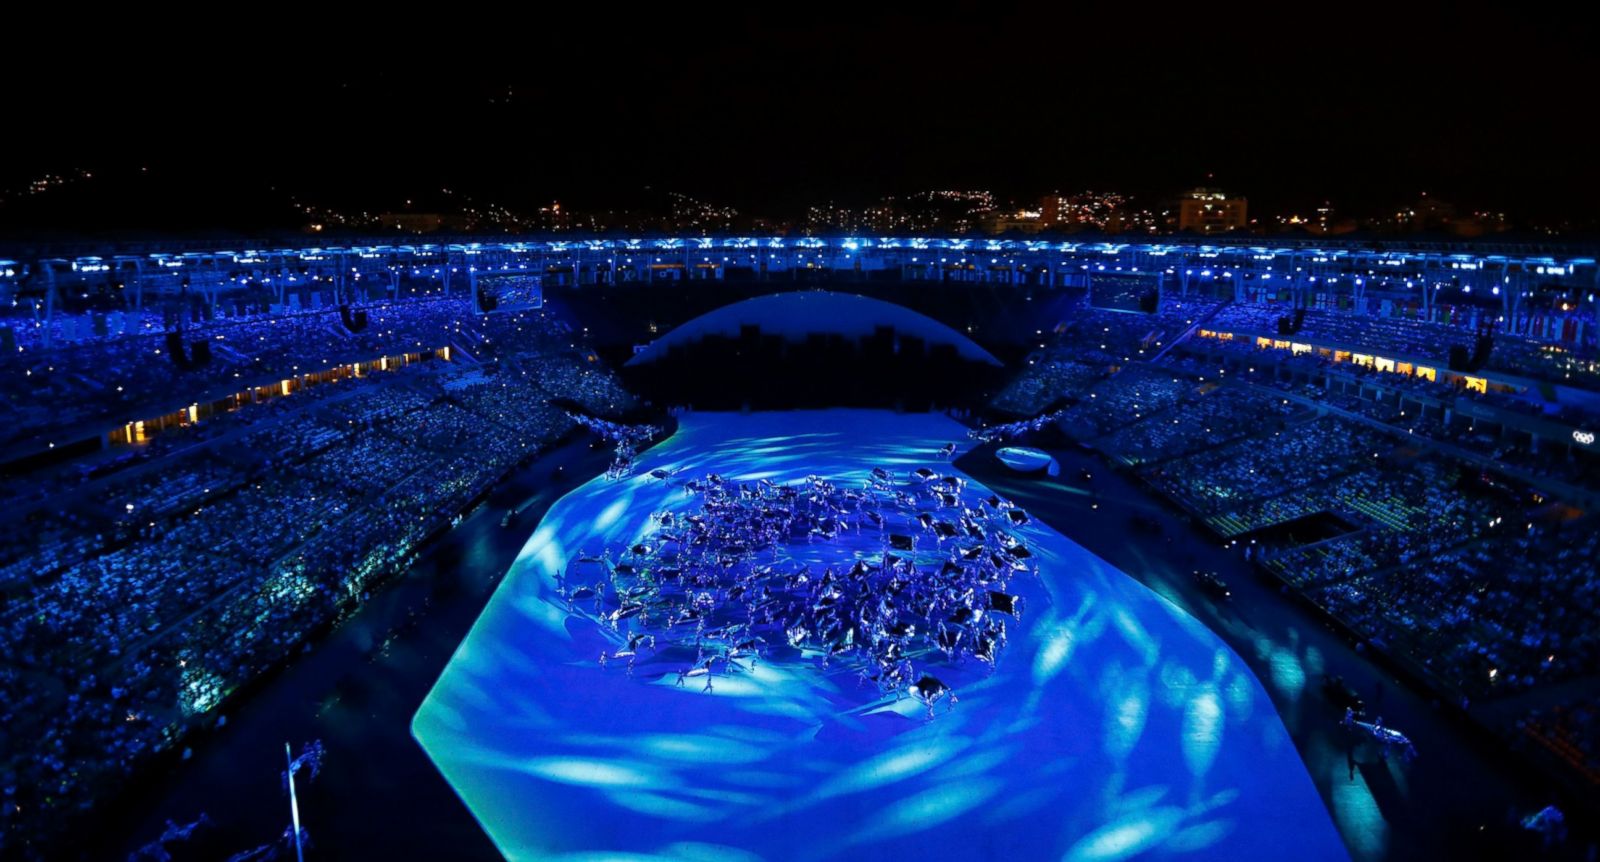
[1115, 727]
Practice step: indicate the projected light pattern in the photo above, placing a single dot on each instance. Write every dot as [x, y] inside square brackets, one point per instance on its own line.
[776, 572]
[1117, 726]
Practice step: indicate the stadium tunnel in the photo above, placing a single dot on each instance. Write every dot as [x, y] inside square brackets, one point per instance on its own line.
[795, 349]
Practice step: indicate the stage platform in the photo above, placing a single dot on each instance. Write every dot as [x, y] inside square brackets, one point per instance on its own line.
[1115, 727]
[1025, 460]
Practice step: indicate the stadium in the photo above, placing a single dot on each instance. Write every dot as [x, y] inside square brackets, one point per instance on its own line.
[772, 547]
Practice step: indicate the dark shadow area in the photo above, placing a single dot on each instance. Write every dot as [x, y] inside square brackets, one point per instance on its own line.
[1304, 530]
[1004, 319]
[761, 371]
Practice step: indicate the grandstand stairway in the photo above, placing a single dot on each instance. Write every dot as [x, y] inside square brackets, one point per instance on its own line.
[227, 352]
[1193, 328]
[465, 346]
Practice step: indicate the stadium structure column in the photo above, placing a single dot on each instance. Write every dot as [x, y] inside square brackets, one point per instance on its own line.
[138, 285]
[338, 280]
[1510, 298]
[49, 301]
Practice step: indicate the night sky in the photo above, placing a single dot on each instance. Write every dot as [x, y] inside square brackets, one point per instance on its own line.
[1489, 108]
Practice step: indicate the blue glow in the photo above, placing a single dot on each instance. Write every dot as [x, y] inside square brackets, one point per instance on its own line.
[1125, 838]
[1124, 726]
[590, 773]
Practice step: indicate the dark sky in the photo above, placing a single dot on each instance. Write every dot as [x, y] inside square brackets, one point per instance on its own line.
[1364, 105]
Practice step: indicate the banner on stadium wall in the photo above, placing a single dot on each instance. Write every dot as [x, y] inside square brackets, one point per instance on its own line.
[1125, 291]
[506, 291]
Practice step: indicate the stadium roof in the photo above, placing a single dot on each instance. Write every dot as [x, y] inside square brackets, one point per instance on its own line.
[796, 315]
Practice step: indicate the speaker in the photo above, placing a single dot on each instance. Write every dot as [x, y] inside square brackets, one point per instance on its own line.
[175, 349]
[1480, 351]
[200, 353]
[353, 321]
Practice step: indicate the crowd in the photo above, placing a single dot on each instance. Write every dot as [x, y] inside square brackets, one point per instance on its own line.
[1265, 465]
[1089, 345]
[1520, 353]
[1503, 613]
[1209, 416]
[1427, 563]
[1137, 393]
[1485, 423]
[1352, 487]
[1048, 378]
[50, 393]
[139, 586]
[135, 600]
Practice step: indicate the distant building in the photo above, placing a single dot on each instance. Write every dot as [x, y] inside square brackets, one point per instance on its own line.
[1205, 210]
[409, 222]
[694, 216]
[1100, 211]
[552, 218]
[832, 218]
[1008, 221]
[1321, 221]
[1432, 215]
[952, 211]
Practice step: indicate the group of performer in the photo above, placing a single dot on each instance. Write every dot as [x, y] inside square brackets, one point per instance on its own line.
[1001, 433]
[628, 440]
[1386, 738]
[713, 588]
